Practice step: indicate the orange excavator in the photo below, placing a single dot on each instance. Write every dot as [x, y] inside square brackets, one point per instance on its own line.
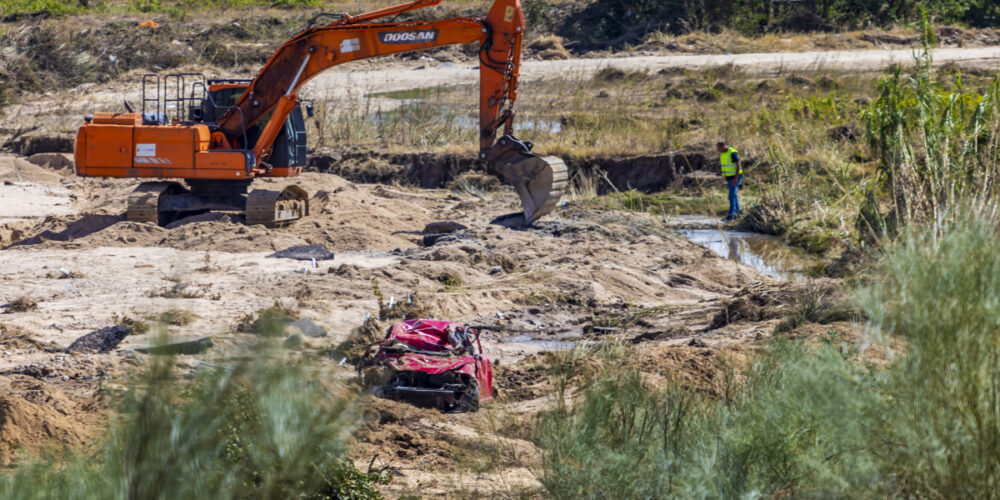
[218, 135]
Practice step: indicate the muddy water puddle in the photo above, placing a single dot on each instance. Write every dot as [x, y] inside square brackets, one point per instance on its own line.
[767, 254]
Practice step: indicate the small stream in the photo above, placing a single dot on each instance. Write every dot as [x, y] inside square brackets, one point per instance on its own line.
[767, 254]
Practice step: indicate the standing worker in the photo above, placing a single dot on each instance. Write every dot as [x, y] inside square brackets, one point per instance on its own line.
[732, 173]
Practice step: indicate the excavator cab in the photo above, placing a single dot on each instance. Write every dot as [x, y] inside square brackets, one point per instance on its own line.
[289, 149]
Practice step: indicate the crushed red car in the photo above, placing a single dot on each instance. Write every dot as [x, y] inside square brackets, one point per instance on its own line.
[438, 364]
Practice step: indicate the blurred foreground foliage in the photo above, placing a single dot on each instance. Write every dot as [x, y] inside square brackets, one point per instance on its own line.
[914, 416]
[260, 429]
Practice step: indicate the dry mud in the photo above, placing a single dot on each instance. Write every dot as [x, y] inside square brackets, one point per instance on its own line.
[576, 277]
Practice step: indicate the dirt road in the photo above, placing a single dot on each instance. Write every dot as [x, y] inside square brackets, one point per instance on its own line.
[342, 83]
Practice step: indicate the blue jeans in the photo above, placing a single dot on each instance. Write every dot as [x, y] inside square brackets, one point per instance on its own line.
[734, 194]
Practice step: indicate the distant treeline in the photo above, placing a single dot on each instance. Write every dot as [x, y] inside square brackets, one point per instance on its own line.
[619, 22]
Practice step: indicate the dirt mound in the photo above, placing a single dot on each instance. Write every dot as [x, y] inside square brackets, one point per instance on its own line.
[304, 252]
[526, 379]
[205, 217]
[14, 231]
[356, 345]
[61, 229]
[35, 416]
[427, 170]
[27, 145]
[404, 432]
[447, 170]
[12, 337]
[61, 162]
[18, 170]
[702, 369]
[344, 217]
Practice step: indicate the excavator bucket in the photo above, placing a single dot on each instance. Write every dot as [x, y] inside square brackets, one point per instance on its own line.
[539, 181]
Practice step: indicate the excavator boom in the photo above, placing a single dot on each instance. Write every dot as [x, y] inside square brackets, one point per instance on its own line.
[265, 103]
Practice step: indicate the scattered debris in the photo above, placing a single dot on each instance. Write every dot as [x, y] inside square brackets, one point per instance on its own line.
[177, 345]
[34, 370]
[100, 341]
[65, 274]
[21, 304]
[306, 327]
[304, 252]
[430, 240]
[443, 227]
[513, 221]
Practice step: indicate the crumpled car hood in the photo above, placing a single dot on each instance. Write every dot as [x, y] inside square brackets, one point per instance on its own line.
[433, 364]
[422, 334]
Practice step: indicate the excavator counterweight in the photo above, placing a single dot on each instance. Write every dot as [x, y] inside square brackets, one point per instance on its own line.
[220, 135]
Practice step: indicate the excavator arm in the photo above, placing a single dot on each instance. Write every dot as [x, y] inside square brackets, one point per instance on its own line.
[218, 163]
[272, 94]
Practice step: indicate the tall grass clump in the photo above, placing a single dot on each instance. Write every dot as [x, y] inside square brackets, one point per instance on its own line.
[935, 145]
[262, 429]
[916, 415]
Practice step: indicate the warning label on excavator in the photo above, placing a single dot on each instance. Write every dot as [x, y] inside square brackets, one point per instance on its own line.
[145, 149]
[412, 36]
[350, 45]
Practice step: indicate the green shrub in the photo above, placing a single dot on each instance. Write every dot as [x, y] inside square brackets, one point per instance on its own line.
[793, 426]
[815, 421]
[939, 292]
[262, 429]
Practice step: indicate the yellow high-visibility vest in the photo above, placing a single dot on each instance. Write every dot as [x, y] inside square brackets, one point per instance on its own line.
[728, 167]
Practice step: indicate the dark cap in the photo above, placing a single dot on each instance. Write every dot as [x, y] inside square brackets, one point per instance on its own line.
[720, 143]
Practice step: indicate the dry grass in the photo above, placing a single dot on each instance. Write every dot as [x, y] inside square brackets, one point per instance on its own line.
[269, 321]
[178, 291]
[549, 47]
[174, 317]
[728, 40]
[23, 303]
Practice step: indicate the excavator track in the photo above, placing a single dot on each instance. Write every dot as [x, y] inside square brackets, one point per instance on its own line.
[539, 181]
[275, 208]
[145, 201]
